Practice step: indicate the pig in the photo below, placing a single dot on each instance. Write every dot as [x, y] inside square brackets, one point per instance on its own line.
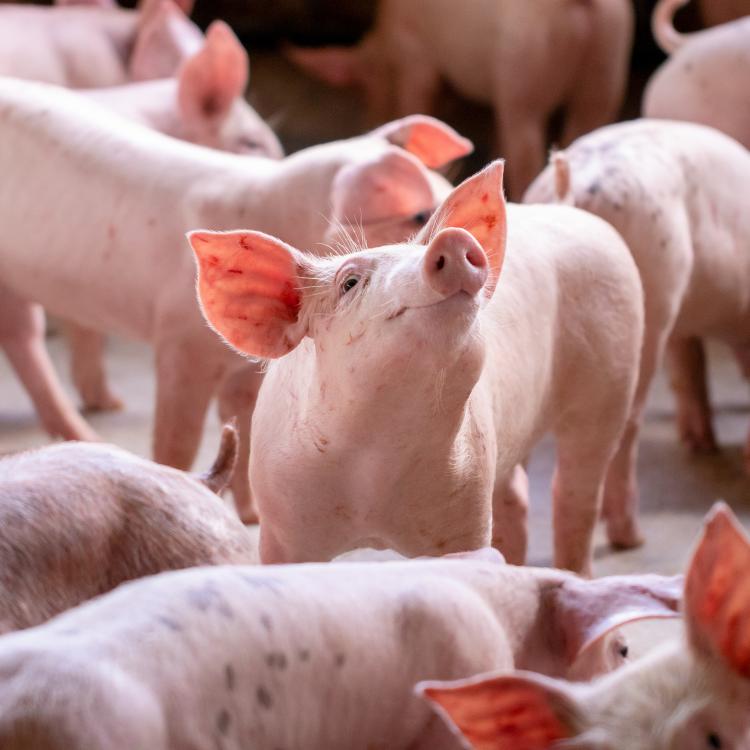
[91, 47]
[404, 389]
[264, 657]
[690, 694]
[97, 236]
[78, 519]
[706, 78]
[715, 12]
[492, 52]
[675, 191]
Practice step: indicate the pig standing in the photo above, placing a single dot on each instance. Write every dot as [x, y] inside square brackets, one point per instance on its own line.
[315, 657]
[97, 234]
[692, 694]
[406, 392]
[707, 77]
[78, 519]
[497, 52]
[676, 193]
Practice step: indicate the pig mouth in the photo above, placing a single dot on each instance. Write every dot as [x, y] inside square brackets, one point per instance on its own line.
[460, 295]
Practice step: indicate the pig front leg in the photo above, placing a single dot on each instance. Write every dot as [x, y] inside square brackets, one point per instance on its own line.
[510, 510]
[687, 370]
[521, 140]
[188, 373]
[237, 397]
[22, 339]
[87, 369]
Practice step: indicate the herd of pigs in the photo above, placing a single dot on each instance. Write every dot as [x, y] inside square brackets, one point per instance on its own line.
[401, 345]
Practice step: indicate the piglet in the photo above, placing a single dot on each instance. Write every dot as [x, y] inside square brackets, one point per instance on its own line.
[495, 53]
[321, 657]
[692, 694]
[78, 519]
[707, 76]
[410, 380]
[676, 193]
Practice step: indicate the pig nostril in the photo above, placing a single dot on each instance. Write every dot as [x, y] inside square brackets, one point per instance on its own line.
[476, 258]
[440, 263]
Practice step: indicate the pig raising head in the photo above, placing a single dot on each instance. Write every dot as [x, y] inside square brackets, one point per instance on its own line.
[692, 695]
[366, 316]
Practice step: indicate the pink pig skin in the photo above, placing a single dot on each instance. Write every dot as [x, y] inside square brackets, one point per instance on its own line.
[493, 51]
[397, 419]
[707, 77]
[90, 47]
[78, 519]
[111, 251]
[690, 694]
[321, 657]
[676, 193]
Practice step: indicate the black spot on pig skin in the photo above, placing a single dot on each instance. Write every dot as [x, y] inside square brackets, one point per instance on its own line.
[265, 621]
[171, 624]
[229, 677]
[223, 720]
[303, 654]
[264, 697]
[339, 660]
[276, 660]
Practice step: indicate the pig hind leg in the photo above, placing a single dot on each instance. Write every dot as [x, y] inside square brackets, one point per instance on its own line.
[87, 369]
[22, 339]
[510, 510]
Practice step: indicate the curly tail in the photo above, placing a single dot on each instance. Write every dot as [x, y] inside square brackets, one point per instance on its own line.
[662, 25]
[220, 474]
[561, 167]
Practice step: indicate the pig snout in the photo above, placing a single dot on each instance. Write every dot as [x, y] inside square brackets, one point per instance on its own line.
[455, 262]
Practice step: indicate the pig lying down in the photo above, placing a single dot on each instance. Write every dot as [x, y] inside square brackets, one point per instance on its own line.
[688, 695]
[97, 236]
[77, 519]
[410, 380]
[707, 77]
[321, 657]
[495, 52]
[676, 192]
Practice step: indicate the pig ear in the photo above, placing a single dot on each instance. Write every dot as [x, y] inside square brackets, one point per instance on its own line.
[249, 290]
[478, 206]
[521, 711]
[433, 142]
[336, 66]
[586, 611]
[165, 39]
[717, 592]
[215, 76]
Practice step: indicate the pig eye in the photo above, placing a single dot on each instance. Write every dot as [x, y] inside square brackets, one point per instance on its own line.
[713, 740]
[349, 283]
[422, 217]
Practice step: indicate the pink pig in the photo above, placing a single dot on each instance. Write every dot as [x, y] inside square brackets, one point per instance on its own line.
[77, 519]
[707, 77]
[676, 193]
[715, 12]
[412, 379]
[96, 235]
[496, 52]
[692, 694]
[321, 657]
[90, 47]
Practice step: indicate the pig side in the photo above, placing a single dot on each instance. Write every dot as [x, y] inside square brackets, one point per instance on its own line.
[707, 76]
[691, 694]
[412, 379]
[316, 656]
[494, 52]
[90, 47]
[77, 519]
[96, 235]
[676, 193]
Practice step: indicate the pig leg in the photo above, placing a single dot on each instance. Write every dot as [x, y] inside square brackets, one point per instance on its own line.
[521, 136]
[687, 370]
[416, 90]
[187, 376]
[742, 354]
[22, 339]
[87, 369]
[237, 397]
[510, 510]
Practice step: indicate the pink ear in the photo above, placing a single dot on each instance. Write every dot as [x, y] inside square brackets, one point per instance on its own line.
[337, 66]
[586, 611]
[249, 290]
[478, 206]
[717, 592]
[433, 142]
[213, 78]
[521, 711]
[164, 40]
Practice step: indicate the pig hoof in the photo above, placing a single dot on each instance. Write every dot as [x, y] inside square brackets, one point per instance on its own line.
[700, 442]
[624, 534]
[106, 402]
